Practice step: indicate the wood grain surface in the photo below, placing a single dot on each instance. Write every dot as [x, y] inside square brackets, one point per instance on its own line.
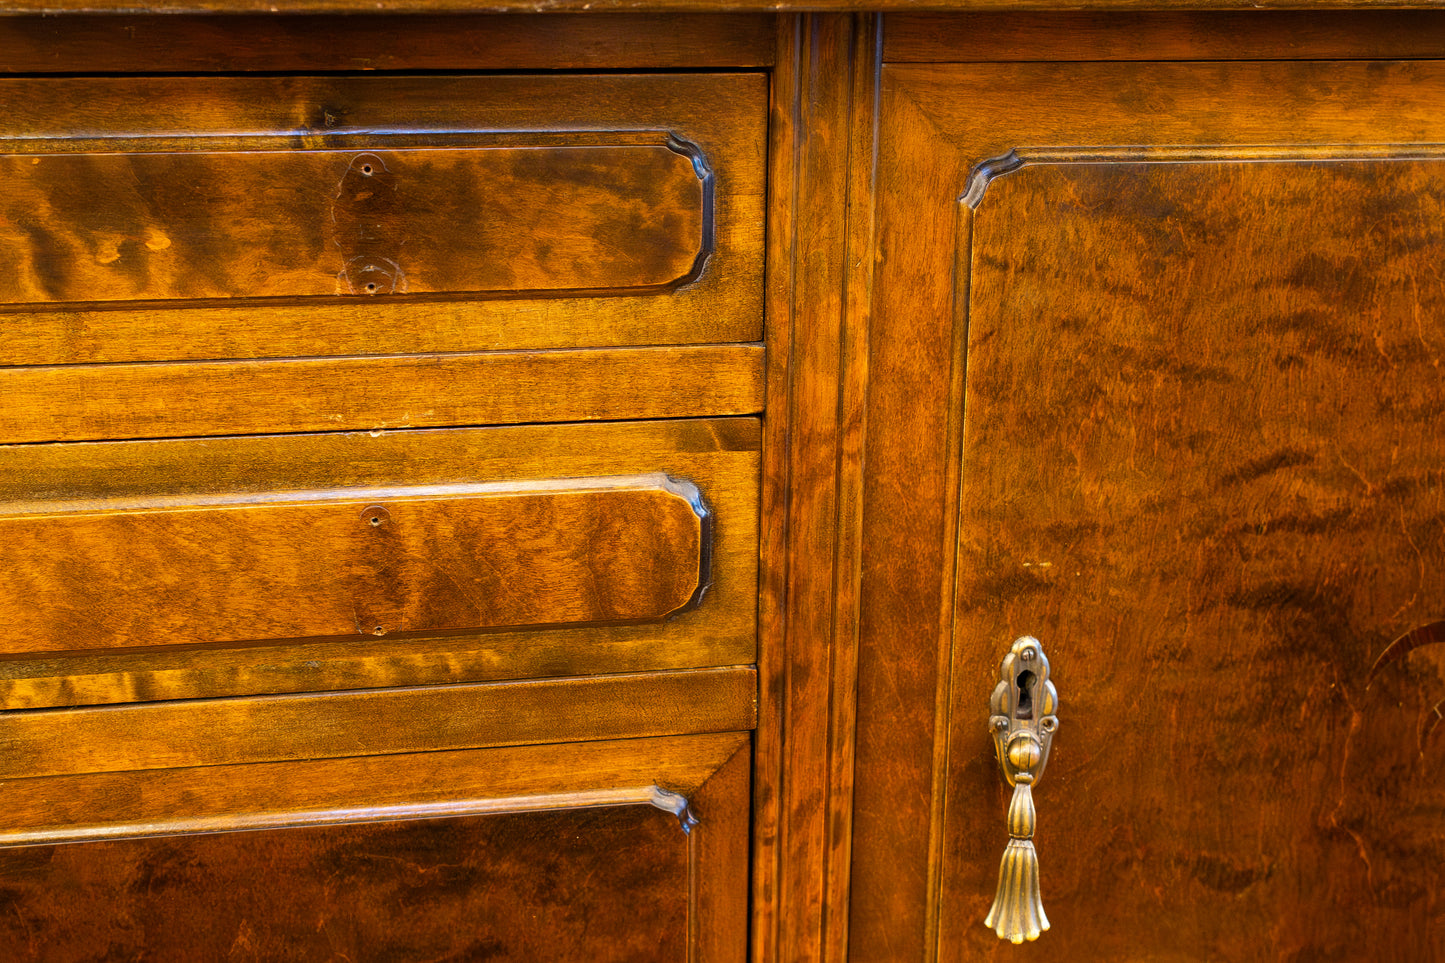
[817, 340]
[137, 43]
[939, 122]
[1154, 35]
[678, 6]
[374, 722]
[229, 798]
[563, 885]
[316, 564]
[720, 906]
[1203, 464]
[504, 854]
[394, 816]
[255, 224]
[169, 400]
[720, 456]
[721, 118]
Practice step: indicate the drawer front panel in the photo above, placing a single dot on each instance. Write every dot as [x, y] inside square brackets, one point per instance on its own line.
[631, 549]
[252, 222]
[163, 219]
[178, 569]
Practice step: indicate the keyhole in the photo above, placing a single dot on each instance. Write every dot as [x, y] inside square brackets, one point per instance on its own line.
[1025, 683]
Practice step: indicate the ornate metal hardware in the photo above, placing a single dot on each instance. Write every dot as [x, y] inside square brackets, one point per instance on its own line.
[1023, 723]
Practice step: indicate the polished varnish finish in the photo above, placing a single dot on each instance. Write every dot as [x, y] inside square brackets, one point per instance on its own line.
[1182, 394]
[1203, 461]
[822, 177]
[606, 857]
[567, 212]
[136, 43]
[1077, 35]
[242, 188]
[1115, 326]
[384, 561]
[81, 806]
[380, 476]
[229, 480]
[367, 722]
[166, 400]
[555, 886]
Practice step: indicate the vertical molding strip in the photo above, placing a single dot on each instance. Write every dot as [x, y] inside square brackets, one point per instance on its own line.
[859, 259]
[819, 289]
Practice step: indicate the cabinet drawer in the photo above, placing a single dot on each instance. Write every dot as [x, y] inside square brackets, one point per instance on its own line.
[280, 563]
[150, 219]
[622, 850]
[214, 256]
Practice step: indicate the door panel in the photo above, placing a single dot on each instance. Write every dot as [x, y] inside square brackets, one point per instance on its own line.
[1202, 463]
[629, 850]
[1176, 333]
[580, 885]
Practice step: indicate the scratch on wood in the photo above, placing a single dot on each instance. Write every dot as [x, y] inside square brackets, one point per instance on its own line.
[1407, 643]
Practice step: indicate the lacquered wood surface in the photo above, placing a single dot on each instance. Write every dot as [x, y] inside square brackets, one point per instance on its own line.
[720, 456]
[1203, 463]
[579, 872]
[719, 897]
[231, 798]
[679, 6]
[231, 731]
[316, 564]
[566, 885]
[138, 43]
[573, 214]
[721, 118]
[1153, 35]
[939, 122]
[770, 872]
[168, 400]
[812, 488]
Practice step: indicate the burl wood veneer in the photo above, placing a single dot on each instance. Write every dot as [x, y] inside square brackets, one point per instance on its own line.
[631, 850]
[186, 568]
[1185, 386]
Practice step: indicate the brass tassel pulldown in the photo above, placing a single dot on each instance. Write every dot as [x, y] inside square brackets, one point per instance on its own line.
[1023, 722]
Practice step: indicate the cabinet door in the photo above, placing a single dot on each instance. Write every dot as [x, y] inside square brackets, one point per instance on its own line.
[623, 850]
[1176, 332]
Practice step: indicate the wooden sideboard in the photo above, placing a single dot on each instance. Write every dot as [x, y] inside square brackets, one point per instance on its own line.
[560, 486]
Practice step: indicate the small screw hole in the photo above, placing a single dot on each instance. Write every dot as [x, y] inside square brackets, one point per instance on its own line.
[376, 519]
[366, 169]
[371, 288]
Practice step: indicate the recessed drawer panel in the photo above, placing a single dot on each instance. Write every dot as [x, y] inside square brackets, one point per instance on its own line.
[298, 564]
[569, 213]
[204, 567]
